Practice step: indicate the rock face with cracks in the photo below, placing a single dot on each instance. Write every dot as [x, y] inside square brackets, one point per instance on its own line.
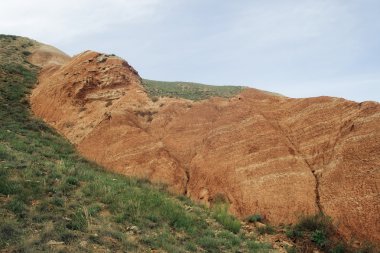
[266, 154]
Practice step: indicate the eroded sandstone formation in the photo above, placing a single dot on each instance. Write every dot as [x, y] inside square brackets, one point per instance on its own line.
[266, 154]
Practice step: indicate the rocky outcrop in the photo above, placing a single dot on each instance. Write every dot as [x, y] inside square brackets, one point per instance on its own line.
[266, 154]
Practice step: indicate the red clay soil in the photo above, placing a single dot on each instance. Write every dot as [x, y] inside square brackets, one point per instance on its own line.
[266, 154]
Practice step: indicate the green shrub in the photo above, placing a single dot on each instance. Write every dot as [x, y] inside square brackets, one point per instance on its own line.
[259, 247]
[26, 53]
[94, 209]
[72, 181]
[16, 206]
[78, 221]
[340, 248]
[229, 239]
[268, 229]
[8, 187]
[293, 233]
[315, 228]
[69, 185]
[190, 246]
[208, 243]
[220, 213]
[315, 222]
[320, 238]
[254, 218]
[181, 220]
[58, 201]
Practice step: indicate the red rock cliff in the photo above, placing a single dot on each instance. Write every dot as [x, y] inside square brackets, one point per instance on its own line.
[266, 154]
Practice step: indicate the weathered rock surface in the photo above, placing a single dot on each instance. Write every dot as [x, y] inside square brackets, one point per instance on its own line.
[266, 154]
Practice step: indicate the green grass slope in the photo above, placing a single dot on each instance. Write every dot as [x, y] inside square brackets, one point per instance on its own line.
[192, 91]
[53, 200]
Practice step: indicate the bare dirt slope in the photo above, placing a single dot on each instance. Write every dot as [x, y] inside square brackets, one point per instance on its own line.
[266, 154]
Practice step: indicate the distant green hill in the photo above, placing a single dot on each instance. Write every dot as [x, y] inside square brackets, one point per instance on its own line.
[53, 200]
[192, 91]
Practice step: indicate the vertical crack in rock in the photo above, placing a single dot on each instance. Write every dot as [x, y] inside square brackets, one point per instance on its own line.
[346, 127]
[312, 170]
[316, 176]
[317, 196]
[185, 169]
[187, 172]
[276, 125]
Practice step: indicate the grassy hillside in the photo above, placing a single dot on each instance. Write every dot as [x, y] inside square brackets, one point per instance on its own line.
[53, 200]
[192, 91]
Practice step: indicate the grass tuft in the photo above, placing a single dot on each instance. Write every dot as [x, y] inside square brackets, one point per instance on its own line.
[77, 221]
[254, 218]
[222, 215]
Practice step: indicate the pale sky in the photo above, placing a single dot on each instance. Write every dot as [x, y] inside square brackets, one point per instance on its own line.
[299, 48]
